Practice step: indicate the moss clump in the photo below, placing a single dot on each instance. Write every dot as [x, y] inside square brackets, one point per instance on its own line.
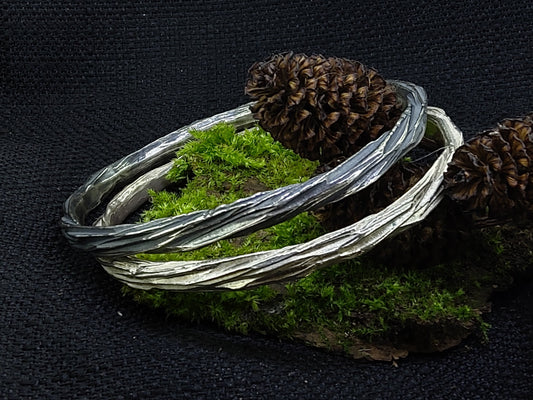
[348, 298]
[362, 308]
[353, 302]
[354, 306]
[220, 167]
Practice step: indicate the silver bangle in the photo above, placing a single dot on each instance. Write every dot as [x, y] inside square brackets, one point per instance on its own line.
[115, 245]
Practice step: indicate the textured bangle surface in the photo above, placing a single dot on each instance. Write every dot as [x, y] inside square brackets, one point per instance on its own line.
[194, 230]
[115, 245]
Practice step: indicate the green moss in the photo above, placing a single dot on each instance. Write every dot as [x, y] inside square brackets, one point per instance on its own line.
[221, 167]
[369, 300]
[355, 300]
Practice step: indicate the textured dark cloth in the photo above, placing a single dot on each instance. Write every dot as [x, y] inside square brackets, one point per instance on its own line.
[82, 85]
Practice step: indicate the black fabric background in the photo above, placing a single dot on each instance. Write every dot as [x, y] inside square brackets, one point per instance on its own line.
[85, 83]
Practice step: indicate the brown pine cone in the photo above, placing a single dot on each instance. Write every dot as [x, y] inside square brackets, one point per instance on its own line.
[321, 108]
[492, 174]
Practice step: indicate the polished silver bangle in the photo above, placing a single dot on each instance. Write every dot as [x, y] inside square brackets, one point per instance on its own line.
[115, 244]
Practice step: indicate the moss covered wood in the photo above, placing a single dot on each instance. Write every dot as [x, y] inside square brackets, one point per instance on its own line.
[369, 303]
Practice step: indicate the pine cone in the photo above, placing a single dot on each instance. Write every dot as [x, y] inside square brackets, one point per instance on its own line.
[492, 174]
[321, 108]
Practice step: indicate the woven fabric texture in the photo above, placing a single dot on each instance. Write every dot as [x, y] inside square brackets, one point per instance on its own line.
[85, 83]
